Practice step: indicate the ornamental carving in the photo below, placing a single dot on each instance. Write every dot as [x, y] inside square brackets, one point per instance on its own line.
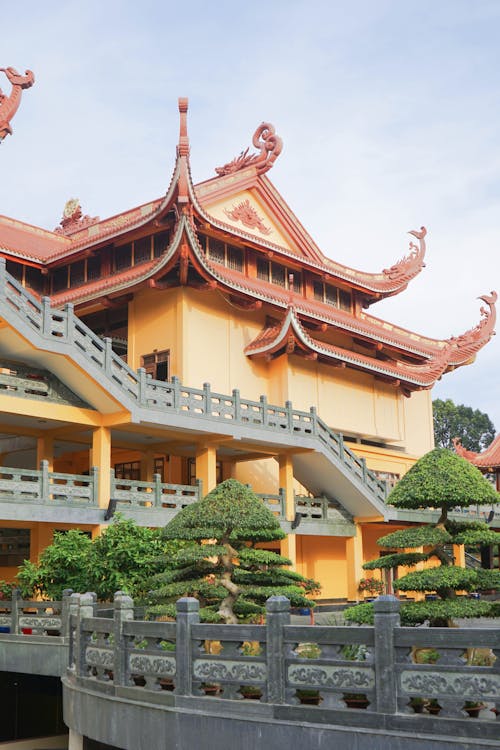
[43, 623]
[412, 263]
[206, 670]
[480, 334]
[72, 218]
[457, 684]
[248, 216]
[157, 665]
[10, 104]
[343, 678]
[270, 146]
[99, 657]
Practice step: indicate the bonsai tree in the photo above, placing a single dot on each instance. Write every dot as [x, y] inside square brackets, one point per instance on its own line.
[223, 569]
[439, 480]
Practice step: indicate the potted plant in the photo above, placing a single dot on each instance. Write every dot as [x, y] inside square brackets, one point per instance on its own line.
[355, 652]
[418, 704]
[433, 707]
[355, 700]
[309, 697]
[250, 692]
[473, 708]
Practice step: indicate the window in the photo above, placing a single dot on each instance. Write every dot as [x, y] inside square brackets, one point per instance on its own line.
[280, 275]
[77, 273]
[160, 243]
[60, 279]
[157, 364]
[142, 250]
[123, 257]
[128, 470]
[332, 295]
[191, 470]
[93, 268]
[220, 252]
[14, 547]
[390, 477]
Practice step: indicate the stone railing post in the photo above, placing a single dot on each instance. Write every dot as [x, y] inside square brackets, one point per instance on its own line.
[82, 605]
[94, 485]
[314, 420]
[237, 405]
[14, 611]
[44, 481]
[143, 385]
[70, 322]
[265, 412]
[157, 490]
[123, 610]
[46, 317]
[176, 384]
[188, 614]
[65, 611]
[207, 399]
[108, 355]
[289, 415]
[277, 615]
[386, 620]
[363, 469]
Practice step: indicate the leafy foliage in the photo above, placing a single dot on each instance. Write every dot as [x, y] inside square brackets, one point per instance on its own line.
[474, 428]
[415, 537]
[439, 612]
[439, 480]
[62, 565]
[227, 574]
[122, 558]
[442, 479]
[391, 561]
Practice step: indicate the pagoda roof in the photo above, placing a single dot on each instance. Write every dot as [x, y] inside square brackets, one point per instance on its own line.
[487, 459]
[242, 205]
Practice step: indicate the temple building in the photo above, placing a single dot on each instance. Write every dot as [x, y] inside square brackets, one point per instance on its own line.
[204, 335]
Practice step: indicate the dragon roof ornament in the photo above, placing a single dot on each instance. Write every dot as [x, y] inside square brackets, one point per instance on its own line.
[270, 146]
[406, 268]
[73, 219]
[471, 341]
[10, 104]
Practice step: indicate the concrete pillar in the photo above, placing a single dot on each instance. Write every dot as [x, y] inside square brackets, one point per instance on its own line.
[45, 451]
[101, 457]
[354, 561]
[206, 467]
[288, 545]
[75, 741]
[459, 555]
[147, 466]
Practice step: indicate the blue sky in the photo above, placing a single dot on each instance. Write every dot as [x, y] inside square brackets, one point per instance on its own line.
[389, 112]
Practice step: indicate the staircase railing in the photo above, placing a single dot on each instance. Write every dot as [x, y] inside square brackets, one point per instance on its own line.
[65, 327]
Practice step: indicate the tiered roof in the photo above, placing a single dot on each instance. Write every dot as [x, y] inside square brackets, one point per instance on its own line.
[241, 207]
[488, 460]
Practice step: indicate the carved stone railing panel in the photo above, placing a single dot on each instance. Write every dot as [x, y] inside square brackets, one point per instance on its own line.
[154, 494]
[47, 487]
[24, 381]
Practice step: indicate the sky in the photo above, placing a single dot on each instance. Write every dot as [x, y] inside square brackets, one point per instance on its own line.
[389, 112]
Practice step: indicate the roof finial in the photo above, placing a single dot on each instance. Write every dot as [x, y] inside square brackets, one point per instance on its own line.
[183, 147]
[270, 146]
[9, 104]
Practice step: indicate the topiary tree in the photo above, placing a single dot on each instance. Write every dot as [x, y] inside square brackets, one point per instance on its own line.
[223, 569]
[439, 480]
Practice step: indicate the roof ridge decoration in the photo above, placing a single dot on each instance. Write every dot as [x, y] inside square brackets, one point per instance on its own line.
[471, 341]
[270, 146]
[10, 104]
[72, 218]
[411, 264]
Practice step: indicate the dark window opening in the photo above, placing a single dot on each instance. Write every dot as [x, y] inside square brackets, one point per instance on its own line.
[93, 268]
[157, 364]
[123, 257]
[15, 269]
[160, 243]
[77, 273]
[128, 470]
[191, 471]
[14, 547]
[142, 250]
[33, 279]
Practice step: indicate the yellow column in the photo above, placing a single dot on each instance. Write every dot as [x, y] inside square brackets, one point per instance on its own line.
[459, 555]
[354, 560]
[101, 457]
[147, 466]
[206, 467]
[45, 451]
[289, 544]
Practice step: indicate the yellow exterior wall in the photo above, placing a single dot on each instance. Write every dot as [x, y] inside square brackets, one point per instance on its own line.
[323, 558]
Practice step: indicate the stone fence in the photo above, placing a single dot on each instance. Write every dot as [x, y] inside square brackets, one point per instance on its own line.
[335, 669]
